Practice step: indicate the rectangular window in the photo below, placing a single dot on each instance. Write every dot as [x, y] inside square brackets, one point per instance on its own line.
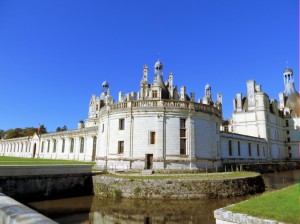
[182, 133]
[182, 137]
[154, 94]
[226, 129]
[257, 150]
[182, 123]
[121, 124]
[288, 140]
[152, 137]
[287, 132]
[182, 146]
[249, 149]
[63, 146]
[239, 149]
[264, 152]
[230, 147]
[121, 147]
[286, 123]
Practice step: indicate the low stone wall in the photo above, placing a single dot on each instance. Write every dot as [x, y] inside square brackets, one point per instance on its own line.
[106, 186]
[223, 216]
[46, 182]
[32, 170]
[264, 167]
[13, 212]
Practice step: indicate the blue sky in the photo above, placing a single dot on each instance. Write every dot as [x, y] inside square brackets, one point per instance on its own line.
[55, 54]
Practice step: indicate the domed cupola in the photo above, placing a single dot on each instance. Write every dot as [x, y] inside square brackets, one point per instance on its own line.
[158, 68]
[288, 75]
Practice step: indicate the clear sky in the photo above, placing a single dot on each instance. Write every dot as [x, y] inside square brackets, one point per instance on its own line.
[55, 54]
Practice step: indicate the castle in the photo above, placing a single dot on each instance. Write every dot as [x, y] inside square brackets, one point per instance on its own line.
[163, 127]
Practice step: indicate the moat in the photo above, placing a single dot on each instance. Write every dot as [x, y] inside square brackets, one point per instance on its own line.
[90, 209]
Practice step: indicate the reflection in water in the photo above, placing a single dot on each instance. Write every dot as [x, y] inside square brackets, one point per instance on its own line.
[156, 211]
[95, 210]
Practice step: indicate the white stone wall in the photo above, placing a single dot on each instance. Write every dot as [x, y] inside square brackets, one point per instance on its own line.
[12, 147]
[259, 148]
[202, 137]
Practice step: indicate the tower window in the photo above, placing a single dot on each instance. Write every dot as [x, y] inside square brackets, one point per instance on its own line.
[287, 123]
[121, 124]
[152, 137]
[120, 147]
[182, 137]
[182, 146]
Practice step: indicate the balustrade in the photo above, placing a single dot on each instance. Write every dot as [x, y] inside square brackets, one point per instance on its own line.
[163, 103]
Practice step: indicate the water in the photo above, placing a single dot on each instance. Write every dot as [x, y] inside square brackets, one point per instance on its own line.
[93, 210]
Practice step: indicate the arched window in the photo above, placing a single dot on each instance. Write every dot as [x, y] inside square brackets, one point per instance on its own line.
[72, 145]
[54, 145]
[48, 146]
[81, 145]
[63, 146]
[42, 148]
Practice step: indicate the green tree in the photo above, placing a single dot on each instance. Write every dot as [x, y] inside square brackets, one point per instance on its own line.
[64, 128]
[2, 133]
[43, 129]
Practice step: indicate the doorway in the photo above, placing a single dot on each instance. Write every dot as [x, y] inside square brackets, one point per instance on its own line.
[149, 161]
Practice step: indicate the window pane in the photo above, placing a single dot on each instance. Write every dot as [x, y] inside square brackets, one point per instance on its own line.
[152, 137]
[182, 132]
[182, 123]
[182, 146]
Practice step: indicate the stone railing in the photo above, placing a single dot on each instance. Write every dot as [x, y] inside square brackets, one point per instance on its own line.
[168, 104]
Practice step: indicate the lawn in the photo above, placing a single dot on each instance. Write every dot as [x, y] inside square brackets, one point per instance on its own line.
[281, 205]
[196, 176]
[7, 160]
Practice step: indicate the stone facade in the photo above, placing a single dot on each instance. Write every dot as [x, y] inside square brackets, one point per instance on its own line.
[163, 127]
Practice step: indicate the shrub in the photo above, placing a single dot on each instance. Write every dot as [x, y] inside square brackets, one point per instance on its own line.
[117, 193]
[137, 191]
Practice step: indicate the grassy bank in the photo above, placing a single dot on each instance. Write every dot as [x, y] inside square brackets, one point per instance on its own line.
[7, 160]
[196, 176]
[281, 205]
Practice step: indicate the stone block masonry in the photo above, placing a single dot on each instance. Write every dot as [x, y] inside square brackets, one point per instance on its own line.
[47, 182]
[13, 212]
[108, 186]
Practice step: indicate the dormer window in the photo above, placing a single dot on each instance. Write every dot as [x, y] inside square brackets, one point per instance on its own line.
[154, 94]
